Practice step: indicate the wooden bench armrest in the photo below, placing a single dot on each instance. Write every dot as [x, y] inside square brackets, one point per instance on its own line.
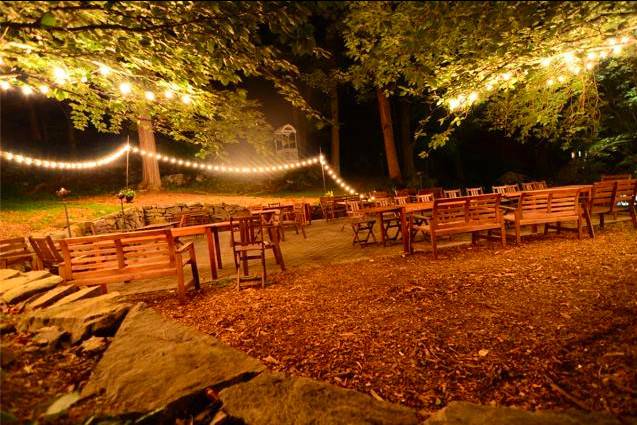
[185, 247]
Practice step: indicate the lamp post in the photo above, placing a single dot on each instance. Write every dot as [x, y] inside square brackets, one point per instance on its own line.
[62, 193]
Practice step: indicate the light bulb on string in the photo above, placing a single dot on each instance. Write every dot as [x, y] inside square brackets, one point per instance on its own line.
[186, 99]
[617, 49]
[44, 89]
[104, 70]
[125, 88]
[27, 90]
[60, 75]
[4, 85]
[169, 94]
[149, 95]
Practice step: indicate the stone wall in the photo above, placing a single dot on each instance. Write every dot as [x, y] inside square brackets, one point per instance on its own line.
[139, 216]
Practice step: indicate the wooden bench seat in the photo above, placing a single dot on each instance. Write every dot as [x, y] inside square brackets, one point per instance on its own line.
[469, 214]
[122, 257]
[548, 206]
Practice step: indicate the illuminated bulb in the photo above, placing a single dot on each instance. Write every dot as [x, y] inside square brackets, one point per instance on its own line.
[209, 167]
[84, 79]
[44, 89]
[186, 99]
[60, 75]
[169, 94]
[617, 49]
[569, 57]
[4, 85]
[546, 62]
[489, 87]
[473, 97]
[125, 88]
[453, 104]
[27, 90]
[104, 70]
[561, 78]
[9, 156]
[506, 76]
[612, 41]
[591, 55]
[589, 65]
[574, 69]
[603, 54]
[550, 82]
[149, 95]
[625, 39]
[173, 160]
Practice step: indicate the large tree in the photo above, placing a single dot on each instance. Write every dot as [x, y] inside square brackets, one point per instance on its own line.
[173, 67]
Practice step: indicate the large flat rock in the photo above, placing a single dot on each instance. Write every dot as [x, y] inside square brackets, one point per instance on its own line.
[82, 294]
[81, 319]
[18, 279]
[51, 296]
[22, 292]
[463, 413]
[274, 398]
[8, 274]
[153, 362]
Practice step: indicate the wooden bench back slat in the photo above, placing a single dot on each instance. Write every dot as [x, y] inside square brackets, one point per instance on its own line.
[466, 211]
[543, 203]
[13, 246]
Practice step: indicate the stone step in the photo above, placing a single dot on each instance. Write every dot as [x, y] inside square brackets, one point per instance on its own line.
[8, 274]
[82, 294]
[52, 296]
[22, 279]
[23, 292]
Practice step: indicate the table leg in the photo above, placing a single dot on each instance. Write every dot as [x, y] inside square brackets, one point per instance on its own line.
[215, 233]
[211, 253]
[406, 233]
[382, 228]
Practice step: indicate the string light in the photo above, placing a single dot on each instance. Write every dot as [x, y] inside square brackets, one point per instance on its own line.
[104, 70]
[169, 94]
[125, 88]
[186, 99]
[149, 95]
[573, 60]
[22, 159]
[4, 85]
[60, 75]
[27, 90]
[44, 89]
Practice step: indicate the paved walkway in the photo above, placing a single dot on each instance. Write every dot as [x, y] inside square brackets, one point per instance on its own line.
[325, 244]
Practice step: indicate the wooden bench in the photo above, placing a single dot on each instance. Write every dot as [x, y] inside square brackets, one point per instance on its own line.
[15, 251]
[121, 257]
[548, 206]
[47, 252]
[610, 177]
[612, 196]
[469, 214]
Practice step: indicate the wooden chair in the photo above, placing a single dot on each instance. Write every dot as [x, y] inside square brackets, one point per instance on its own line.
[14, 252]
[435, 191]
[511, 188]
[451, 193]
[527, 186]
[426, 197]
[47, 253]
[390, 220]
[469, 214]
[274, 205]
[546, 207]
[293, 218]
[246, 239]
[401, 200]
[613, 196]
[122, 257]
[474, 191]
[327, 207]
[608, 177]
[362, 226]
[498, 189]
[539, 185]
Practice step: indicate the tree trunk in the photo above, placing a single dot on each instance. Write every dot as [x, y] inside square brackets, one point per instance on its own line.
[336, 138]
[406, 139]
[388, 136]
[151, 178]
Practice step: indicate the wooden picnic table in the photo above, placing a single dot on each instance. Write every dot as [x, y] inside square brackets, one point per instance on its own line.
[403, 211]
[211, 230]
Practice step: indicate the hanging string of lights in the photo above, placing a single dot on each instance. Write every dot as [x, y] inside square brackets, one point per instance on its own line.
[570, 63]
[83, 165]
[61, 76]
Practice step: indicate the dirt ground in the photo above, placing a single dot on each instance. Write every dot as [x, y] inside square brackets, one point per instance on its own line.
[548, 324]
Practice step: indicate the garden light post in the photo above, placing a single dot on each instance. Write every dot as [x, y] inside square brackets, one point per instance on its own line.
[62, 193]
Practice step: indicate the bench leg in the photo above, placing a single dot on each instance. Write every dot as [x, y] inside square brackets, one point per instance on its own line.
[181, 287]
[579, 228]
[279, 255]
[434, 246]
[264, 273]
[546, 229]
[633, 215]
[503, 236]
[601, 221]
[195, 272]
[518, 237]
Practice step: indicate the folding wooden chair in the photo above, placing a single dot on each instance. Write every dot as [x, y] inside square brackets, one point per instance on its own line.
[362, 226]
[293, 218]
[451, 193]
[47, 253]
[474, 191]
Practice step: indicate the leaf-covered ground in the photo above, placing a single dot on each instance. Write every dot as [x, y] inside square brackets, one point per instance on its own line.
[549, 324]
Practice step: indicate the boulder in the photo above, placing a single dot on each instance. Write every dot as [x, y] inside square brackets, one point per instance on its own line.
[25, 291]
[8, 274]
[19, 279]
[94, 344]
[51, 297]
[82, 294]
[81, 319]
[463, 413]
[61, 405]
[6, 328]
[50, 337]
[274, 398]
[153, 362]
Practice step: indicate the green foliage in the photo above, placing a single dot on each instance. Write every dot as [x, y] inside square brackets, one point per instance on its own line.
[204, 49]
[126, 192]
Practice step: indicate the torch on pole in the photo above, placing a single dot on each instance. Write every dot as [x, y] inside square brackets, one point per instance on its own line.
[62, 193]
[322, 169]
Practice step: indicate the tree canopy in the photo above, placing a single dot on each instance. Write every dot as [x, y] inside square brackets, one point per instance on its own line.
[113, 61]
